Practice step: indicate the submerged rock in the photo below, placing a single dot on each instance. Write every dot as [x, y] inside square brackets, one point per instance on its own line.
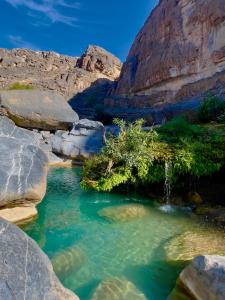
[23, 166]
[204, 278]
[26, 272]
[124, 213]
[190, 244]
[117, 289]
[37, 109]
[68, 260]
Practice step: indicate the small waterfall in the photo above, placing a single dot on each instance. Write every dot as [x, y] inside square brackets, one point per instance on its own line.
[167, 184]
[73, 128]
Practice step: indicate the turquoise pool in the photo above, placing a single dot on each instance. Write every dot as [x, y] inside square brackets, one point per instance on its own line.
[87, 247]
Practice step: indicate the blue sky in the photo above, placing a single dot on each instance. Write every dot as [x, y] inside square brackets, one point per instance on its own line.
[69, 26]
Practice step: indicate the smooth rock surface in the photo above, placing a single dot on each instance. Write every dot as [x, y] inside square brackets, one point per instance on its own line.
[26, 272]
[124, 213]
[204, 278]
[117, 289]
[23, 166]
[19, 215]
[85, 140]
[37, 109]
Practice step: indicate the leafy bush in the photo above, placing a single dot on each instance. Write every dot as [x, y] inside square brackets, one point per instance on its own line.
[138, 157]
[211, 109]
[19, 86]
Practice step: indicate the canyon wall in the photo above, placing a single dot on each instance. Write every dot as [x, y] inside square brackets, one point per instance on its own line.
[178, 55]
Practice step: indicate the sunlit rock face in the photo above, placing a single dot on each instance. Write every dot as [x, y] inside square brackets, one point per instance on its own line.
[178, 54]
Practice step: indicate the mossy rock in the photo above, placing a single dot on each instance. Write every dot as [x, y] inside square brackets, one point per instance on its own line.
[190, 244]
[117, 289]
[124, 213]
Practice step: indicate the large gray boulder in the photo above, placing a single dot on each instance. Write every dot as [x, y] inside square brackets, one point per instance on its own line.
[37, 109]
[23, 166]
[26, 272]
[204, 278]
[84, 141]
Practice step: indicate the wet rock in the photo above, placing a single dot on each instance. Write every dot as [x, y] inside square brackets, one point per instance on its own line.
[194, 198]
[215, 214]
[26, 272]
[204, 278]
[68, 260]
[193, 243]
[36, 109]
[23, 166]
[117, 289]
[124, 213]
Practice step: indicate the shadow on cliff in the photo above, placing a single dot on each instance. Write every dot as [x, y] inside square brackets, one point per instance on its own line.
[90, 103]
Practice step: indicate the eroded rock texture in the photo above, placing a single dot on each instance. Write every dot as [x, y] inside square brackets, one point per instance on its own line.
[26, 272]
[23, 166]
[178, 55]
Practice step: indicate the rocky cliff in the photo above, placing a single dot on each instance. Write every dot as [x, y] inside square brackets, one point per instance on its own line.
[66, 75]
[177, 56]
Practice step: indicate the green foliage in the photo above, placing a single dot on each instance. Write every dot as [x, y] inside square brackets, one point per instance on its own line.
[19, 86]
[138, 157]
[211, 109]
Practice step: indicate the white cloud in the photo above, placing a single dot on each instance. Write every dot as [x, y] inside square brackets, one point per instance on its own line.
[49, 8]
[18, 42]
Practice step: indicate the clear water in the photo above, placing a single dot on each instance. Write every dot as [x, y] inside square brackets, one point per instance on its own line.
[69, 219]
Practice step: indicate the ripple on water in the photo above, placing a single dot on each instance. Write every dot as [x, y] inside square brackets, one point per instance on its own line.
[100, 236]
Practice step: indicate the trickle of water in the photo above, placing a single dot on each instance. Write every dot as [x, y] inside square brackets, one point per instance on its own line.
[167, 184]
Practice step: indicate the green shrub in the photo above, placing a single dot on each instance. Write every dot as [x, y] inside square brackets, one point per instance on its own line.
[137, 157]
[19, 86]
[211, 109]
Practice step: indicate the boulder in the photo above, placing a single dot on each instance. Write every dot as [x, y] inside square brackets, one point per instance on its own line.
[38, 109]
[124, 213]
[23, 166]
[204, 278]
[84, 141]
[26, 272]
[117, 289]
[186, 246]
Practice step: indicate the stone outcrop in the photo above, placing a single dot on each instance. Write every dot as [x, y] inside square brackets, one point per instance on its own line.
[93, 74]
[97, 59]
[178, 55]
[26, 272]
[23, 166]
[204, 278]
[37, 109]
